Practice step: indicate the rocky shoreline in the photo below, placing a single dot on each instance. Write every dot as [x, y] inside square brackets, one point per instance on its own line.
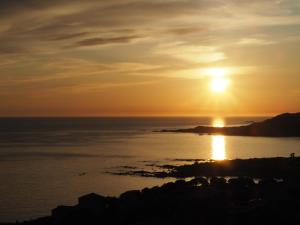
[277, 167]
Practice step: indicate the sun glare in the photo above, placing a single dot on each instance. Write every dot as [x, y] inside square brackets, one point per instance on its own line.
[219, 85]
[219, 82]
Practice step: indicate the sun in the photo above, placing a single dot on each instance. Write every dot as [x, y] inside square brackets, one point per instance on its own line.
[219, 82]
[219, 85]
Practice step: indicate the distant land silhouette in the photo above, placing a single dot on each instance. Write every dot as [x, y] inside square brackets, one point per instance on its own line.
[283, 125]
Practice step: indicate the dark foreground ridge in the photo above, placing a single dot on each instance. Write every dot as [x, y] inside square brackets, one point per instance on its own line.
[284, 125]
[273, 199]
[198, 201]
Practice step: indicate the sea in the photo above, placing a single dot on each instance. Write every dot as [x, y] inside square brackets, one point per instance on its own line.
[46, 162]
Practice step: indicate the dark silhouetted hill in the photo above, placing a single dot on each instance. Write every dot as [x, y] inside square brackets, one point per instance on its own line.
[284, 125]
[200, 201]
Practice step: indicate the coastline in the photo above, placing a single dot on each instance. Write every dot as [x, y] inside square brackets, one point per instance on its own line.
[276, 167]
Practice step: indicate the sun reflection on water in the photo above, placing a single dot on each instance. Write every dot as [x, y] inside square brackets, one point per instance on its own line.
[218, 142]
[218, 122]
[218, 147]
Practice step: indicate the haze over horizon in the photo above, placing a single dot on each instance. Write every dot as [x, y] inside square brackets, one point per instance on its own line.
[139, 57]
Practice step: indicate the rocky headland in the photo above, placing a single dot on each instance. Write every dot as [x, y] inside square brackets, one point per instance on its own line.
[284, 125]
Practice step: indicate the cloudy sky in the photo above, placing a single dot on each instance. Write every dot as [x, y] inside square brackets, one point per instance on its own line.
[142, 57]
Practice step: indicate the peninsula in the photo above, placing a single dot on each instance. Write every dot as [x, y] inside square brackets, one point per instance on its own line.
[283, 125]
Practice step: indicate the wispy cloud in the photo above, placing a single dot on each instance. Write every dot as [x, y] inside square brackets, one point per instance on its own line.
[254, 41]
[105, 41]
[194, 53]
[31, 23]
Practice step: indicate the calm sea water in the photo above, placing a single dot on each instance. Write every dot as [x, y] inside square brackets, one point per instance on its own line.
[45, 162]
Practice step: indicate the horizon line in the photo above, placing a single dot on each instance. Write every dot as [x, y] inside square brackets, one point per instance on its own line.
[141, 116]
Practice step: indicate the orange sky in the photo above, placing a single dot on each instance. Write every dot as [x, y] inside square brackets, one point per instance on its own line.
[138, 57]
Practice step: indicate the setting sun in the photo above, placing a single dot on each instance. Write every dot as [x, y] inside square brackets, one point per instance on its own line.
[219, 82]
[219, 85]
